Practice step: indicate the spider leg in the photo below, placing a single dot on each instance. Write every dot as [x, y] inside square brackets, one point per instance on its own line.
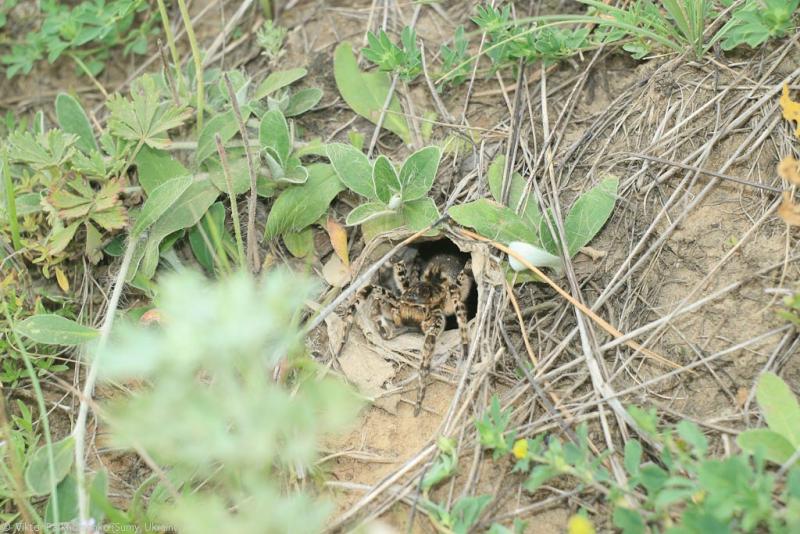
[460, 308]
[404, 275]
[361, 296]
[390, 313]
[432, 326]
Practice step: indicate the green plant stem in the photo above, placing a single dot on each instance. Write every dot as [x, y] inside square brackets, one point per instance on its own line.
[198, 62]
[88, 73]
[173, 50]
[237, 225]
[252, 244]
[79, 432]
[48, 440]
[11, 202]
[266, 8]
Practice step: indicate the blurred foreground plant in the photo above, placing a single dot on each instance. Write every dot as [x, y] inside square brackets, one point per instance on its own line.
[233, 442]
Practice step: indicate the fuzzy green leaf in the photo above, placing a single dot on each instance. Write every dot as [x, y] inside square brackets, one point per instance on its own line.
[156, 167]
[300, 244]
[158, 202]
[202, 231]
[366, 92]
[774, 446]
[225, 125]
[186, 211]
[385, 180]
[298, 207]
[780, 407]
[589, 213]
[494, 221]
[302, 101]
[274, 135]
[366, 212]
[278, 80]
[420, 213]
[530, 209]
[353, 168]
[419, 171]
[72, 119]
[37, 473]
[51, 329]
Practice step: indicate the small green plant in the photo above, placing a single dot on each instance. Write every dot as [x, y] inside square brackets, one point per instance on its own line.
[395, 198]
[405, 61]
[232, 333]
[270, 38]
[685, 490]
[757, 21]
[520, 224]
[781, 439]
[86, 32]
[493, 430]
[455, 62]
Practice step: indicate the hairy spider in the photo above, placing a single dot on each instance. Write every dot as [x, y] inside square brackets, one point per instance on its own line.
[425, 301]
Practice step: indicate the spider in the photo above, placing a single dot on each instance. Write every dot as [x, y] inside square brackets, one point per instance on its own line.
[425, 301]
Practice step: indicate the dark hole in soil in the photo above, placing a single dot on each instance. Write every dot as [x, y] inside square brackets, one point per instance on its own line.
[428, 249]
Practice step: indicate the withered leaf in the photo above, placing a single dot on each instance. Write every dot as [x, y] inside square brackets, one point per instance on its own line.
[789, 170]
[338, 236]
[789, 211]
[791, 109]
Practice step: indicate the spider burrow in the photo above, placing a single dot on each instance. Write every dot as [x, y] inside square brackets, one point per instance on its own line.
[429, 293]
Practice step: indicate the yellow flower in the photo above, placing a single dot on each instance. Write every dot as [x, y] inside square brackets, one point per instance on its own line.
[578, 524]
[520, 449]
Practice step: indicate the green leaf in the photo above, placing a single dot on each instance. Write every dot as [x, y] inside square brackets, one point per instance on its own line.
[158, 202]
[298, 207]
[589, 213]
[68, 499]
[51, 329]
[225, 125]
[37, 473]
[277, 80]
[780, 407]
[72, 119]
[366, 212]
[385, 180]
[300, 244]
[419, 171]
[420, 213]
[628, 520]
[145, 118]
[382, 223]
[633, 457]
[186, 211]
[774, 446]
[274, 135]
[366, 93]
[494, 221]
[466, 512]
[353, 168]
[302, 101]
[61, 237]
[240, 173]
[45, 150]
[156, 167]
[214, 217]
[530, 210]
